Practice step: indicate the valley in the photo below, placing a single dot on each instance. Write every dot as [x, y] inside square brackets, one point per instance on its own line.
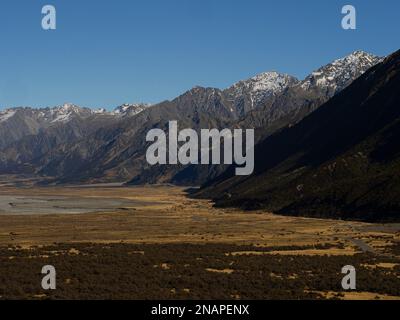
[62, 202]
[156, 242]
[200, 151]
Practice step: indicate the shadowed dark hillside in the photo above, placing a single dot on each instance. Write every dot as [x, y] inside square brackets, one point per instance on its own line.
[342, 161]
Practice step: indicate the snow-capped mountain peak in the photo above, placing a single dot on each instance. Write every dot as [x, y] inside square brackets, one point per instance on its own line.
[100, 111]
[268, 82]
[340, 73]
[68, 107]
[251, 93]
[130, 109]
[6, 114]
[66, 112]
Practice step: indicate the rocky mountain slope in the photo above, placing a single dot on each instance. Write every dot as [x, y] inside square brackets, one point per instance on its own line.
[341, 161]
[251, 94]
[28, 134]
[289, 101]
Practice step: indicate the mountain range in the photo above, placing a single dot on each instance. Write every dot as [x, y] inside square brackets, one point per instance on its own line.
[70, 144]
[281, 107]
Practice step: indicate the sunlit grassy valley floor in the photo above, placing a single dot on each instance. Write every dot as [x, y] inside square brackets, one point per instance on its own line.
[154, 242]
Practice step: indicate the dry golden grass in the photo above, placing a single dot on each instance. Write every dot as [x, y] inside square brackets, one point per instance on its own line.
[164, 214]
[349, 251]
[356, 295]
[385, 265]
[226, 271]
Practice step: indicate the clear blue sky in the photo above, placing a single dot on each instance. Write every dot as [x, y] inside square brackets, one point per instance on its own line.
[105, 53]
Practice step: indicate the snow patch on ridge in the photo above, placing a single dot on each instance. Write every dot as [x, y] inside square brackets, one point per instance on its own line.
[260, 87]
[6, 114]
[341, 72]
